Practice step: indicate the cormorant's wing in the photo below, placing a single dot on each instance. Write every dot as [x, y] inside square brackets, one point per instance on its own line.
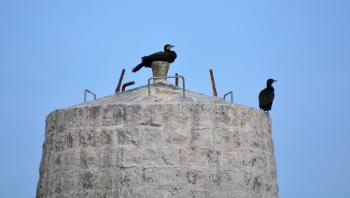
[154, 57]
[266, 97]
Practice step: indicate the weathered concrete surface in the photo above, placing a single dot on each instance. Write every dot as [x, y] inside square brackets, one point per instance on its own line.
[163, 147]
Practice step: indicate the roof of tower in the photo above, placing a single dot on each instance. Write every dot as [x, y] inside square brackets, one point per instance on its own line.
[159, 93]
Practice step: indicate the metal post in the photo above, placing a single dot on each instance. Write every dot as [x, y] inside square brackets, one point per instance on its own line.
[215, 93]
[117, 90]
[177, 80]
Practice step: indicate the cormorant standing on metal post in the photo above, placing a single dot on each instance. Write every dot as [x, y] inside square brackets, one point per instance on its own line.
[167, 55]
[267, 95]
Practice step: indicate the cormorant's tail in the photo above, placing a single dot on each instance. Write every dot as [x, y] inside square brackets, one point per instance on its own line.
[137, 68]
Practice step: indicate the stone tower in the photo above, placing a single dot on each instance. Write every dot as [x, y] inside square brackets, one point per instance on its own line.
[161, 145]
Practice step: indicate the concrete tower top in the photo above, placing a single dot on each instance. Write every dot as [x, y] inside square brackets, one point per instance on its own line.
[159, 144]
[159, 93]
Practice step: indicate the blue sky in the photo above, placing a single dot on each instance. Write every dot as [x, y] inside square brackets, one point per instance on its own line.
[50, 51]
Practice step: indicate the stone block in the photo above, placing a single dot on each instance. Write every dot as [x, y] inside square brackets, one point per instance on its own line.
[130, 157]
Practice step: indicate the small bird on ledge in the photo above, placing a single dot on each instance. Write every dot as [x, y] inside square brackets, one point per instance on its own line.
[167, 55]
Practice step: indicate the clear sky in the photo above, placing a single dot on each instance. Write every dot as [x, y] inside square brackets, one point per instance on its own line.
[50, 51]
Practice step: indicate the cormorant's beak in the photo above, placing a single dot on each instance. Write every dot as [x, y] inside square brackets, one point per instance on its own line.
[274, 81]
[171, 46]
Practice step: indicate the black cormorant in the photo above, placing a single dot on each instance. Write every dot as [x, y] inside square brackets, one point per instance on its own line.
[267, 95]
[167, 55]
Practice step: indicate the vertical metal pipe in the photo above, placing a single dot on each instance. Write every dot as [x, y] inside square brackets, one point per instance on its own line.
[148, 86]
[85, 96]
[215, 93]
[117, 90]
[176, 79]
[183, 86]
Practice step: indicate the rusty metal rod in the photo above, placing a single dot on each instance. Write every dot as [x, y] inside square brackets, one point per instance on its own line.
[176, 79]
[117, 90]
[127, 84]
[215, 93]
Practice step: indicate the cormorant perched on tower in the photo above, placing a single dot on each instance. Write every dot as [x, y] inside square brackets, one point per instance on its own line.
[267, 95]
[167, 55]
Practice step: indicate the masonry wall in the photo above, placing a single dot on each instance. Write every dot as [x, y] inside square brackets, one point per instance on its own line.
[158, 150]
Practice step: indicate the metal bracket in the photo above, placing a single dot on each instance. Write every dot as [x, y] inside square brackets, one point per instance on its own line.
[86, 91]
[229, 93]
[183, 83]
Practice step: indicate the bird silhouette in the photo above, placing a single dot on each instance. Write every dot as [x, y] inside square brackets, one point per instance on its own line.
[166, 55]
[267, 96]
